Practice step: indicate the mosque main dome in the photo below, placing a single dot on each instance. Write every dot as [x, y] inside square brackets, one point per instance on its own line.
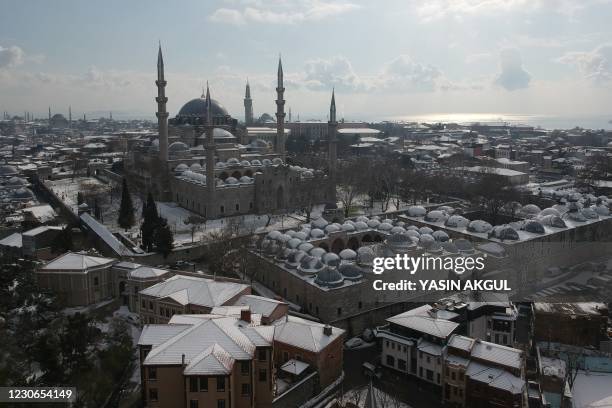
[197, 108]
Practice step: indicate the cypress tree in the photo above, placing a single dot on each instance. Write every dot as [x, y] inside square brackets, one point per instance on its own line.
[150, 223]
[126, 210]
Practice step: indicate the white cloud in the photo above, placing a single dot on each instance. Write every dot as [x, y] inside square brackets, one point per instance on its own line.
[594, 65]
[11, 57]
[405, 74]
[322, 74]
[512, 76]
[281, 11]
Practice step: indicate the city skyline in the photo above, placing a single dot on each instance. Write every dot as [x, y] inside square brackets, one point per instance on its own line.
[543, 58]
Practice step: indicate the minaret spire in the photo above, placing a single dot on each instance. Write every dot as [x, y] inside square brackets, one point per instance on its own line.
[248, 105]
[210, 156]
[162, 114]
[332, 126]
[279, 145]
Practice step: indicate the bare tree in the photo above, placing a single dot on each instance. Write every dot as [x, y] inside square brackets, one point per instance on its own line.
[194, 222]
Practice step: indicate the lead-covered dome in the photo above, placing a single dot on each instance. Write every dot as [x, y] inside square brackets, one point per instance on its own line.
[197, 108]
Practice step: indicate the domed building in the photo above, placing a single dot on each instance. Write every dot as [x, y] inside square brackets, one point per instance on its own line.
[198, 161]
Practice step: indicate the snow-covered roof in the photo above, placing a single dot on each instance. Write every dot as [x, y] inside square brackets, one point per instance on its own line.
[39, 230]
[294, 367]
[498, 354]
[155, 334]
[104, 234]
[418, 319]
[196, 291]
[259, 304]
[495, 377]
[147, 272]
[77, 262]
[304, 334]
[42, 213]
[14, 240]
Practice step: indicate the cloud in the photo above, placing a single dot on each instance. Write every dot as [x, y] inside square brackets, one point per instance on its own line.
[11, 57]
[512, 76]
[323, 74]
[405, 74]
[281, 12]
[594, 65]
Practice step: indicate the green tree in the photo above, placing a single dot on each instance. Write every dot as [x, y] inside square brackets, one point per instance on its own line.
[163, 238]
[150, 223]
[126, 210]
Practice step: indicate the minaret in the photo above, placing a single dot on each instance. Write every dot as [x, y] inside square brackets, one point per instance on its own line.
[332, 126]
[162, 114]
[279, 143]
[210, 153]
[248, 105]
[69, 117]
[49, 114]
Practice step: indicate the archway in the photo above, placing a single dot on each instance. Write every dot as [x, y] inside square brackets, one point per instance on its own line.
[353, 243]
[377, 238]
[223, 176]
[248, 173]
[337, 245]
[324, 246]
[236, 175]
[367, 238]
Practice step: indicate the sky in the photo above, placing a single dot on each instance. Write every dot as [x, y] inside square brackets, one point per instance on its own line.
[386, 59]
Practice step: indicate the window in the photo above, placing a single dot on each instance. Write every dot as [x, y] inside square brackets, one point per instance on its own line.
[151, 305]
[220, 383]
[203, 384]
[144, 304]
[339, 311]
[421, 372]
[438, 378]
[390, 361]
[447, 370]
[401, 364]
[429, 375]
[152, 373]
[222, 210]
[193, 384]
[359, 305]
[263, 375]
[193, 404]
[392, 346]
[387, 343]
[246, 389]
[237, 207]
[221, 403]
[505, 339]
[453, 376]
[153, 394]
[428, 360]
[261, 355]
[244, 367]
[96, 281]
[461, 376]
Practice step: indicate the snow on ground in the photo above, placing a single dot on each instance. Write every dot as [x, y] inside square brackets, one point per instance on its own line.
[592, 390]
[67, 189]
[358, 397]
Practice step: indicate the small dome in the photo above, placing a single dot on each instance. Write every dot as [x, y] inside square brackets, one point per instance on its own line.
[411, 228]
[398, 230]
[317, 233]
[245, 163]
[233, 162]
[329, 277]
[436, 216]
[350, 271]
[255, 163]
[385, 226]
[602, 210]
[426, 240]
[530, 209]
[6, 170]
[440, 236]
[274, 234]
[181, 168]
[362, 218]
[553, 221]
[220, 165]
[425, 230]
[231, 180]
[550, 211]
[307, 174]
[479, 226]
[266, 162]
[331, 259]
[447, 209]
[294, 258]
[413, 234]
[195, 167]
[23, 194]
[388, 221]
[305, 246]
[449, 247]
[463, 245]
[504, 232]
[16, 181]
[589, 213]
[310, 265]
[284, 238]
[301, 235]
[360, 225]
[416, 211]
[317, 252]
[373, 223]
[348, 254]
[457, 221]
[575, 216]
[365, 255]
[246, 180]
[294, 243]
[534, 227]
[348, 227]
[277, 161]
[332, 228]
[399, 223]
[319, 223]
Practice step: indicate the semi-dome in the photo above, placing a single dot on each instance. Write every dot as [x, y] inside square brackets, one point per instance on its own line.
[197, 108]
[329, 277]
[178, 147]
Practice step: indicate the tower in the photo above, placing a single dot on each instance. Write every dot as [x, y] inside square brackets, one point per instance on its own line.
[332, 126]
[49, 114]
[162, 114]
[69, 117]
[210, 152]
[279, 143]
[248, 105]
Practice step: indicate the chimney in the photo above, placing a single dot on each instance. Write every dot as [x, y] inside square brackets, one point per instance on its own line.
[245, 315]
[327, 330]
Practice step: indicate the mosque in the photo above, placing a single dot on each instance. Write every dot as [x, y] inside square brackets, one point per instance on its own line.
[198, 162]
